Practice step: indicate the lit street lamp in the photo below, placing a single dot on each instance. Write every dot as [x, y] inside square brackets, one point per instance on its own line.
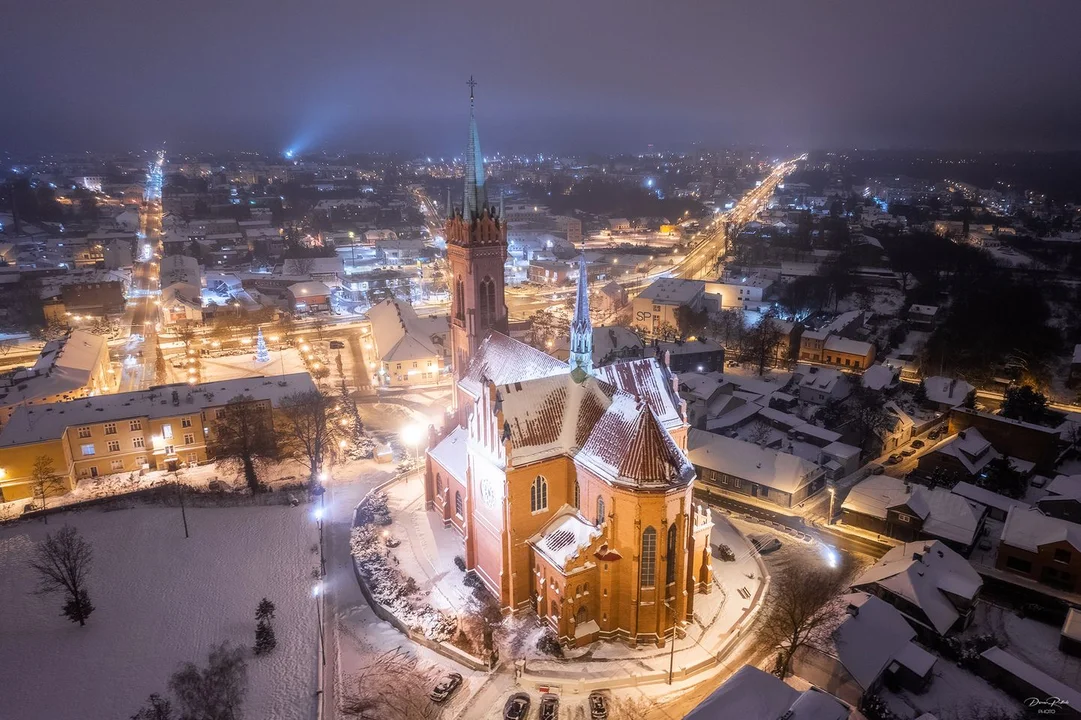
[317, 590]
[833, 494]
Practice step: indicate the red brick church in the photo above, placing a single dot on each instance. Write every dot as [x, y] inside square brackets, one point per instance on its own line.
[569, 484]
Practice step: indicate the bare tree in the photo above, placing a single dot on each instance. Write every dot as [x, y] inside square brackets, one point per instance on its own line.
[6, 346]
[243, 434]
[215, 692]
[310, 427]
[45, 480]
[156, 708]
[632, 709]
[159, 365]
[62, 561]
[319, 324]
[760, 344]
[806, 603]
[392, 686]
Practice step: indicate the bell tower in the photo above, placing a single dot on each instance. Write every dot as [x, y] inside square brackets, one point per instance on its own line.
[476, 252]
[581, 350]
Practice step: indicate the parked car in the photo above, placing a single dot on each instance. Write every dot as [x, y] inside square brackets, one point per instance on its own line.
[877, 470]
[765, 544]
[549, 707]
[446, 687]
[985, 543]
[517, 706]
[918, 444]
[908, 452]
[893, 459]
[598, 706]
[336, 345]
[934, 434]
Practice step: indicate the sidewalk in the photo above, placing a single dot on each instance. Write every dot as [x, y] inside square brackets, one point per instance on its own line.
[739, 590]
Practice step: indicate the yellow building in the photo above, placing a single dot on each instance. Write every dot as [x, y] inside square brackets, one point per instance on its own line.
[162, 428]
[409, 350]
[67, 368]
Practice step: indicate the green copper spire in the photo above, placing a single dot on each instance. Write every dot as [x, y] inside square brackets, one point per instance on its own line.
[581, 352]
[476, 197]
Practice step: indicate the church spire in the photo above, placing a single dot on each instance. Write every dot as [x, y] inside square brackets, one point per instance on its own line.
[476, 196]
[581, 350]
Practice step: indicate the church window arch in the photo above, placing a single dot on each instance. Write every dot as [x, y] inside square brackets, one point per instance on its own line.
[439, 485]
[459, 301]
[582, 616]
[648, 565]
[670, 554]
[538, 495]
[458, 509]
[600, 510]
[485, 303]
[577, 495]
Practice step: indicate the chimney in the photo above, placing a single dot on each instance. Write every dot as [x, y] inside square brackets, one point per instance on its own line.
[917, 557]
[853, 610]
[176, 397]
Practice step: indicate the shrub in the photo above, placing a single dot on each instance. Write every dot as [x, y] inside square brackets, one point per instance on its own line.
[459, 562]
[725, 553]
[548, 644]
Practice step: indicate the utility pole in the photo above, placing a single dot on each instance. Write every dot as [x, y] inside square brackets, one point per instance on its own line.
[180, 496]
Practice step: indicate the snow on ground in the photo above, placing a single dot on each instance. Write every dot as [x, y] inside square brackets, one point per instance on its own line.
[161, 600]
[240, 366]
[954, 694]
[1034, 642]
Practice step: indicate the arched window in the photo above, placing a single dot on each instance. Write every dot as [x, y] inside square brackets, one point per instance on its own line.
[485, 304]
[670, 553]
[648, 574]
[459, 301]
[458, 503]
[582, 615]
[439, 485]
[600, 510]
[538, 495]
[577, 495]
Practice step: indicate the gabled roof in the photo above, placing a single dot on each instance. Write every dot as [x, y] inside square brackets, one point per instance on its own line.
[921, 573]
[1029, 529]
[879, 377]
[772, 468]
[400, 335]
[986, 497]
[866, 642]
[552, 416]
[1065, 486]
[648, 380]
[753, 694]
[450, 452]
[503, 360]
[879, 493]
[629, 446]
[946, 391]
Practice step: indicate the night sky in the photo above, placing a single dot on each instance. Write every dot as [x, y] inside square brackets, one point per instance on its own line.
[559, 75]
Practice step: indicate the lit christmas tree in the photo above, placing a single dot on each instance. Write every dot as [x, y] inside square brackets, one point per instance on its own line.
[262, 355]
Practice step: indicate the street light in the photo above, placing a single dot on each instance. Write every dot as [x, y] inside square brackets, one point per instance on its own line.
[317, 590]
[411, 435]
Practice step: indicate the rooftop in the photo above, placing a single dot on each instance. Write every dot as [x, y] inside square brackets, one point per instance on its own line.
[1029, 529]
[673, 291]
[65, 365]
[753, 694]
[772, 468]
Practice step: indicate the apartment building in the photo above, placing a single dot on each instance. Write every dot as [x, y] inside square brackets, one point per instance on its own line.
[161, 428]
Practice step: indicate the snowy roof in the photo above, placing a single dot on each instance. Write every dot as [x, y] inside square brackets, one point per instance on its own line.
[921, 573]
[952, 517]
[564, 535]
[851, 347]
[552, 416]
[753, 694]
[1029, 529]
[179, 269]
[400, 335]
[871, 636]
[673, 291]
[312, 288]
[313, 266]
[629, 446]
[607, 340]
[1071, 627]
[1077, 354]
[1066, 486]
[986, 497]
[503, 360]
[824, 379]
[971, 448]
[878, 377]
[65, 365]
[648, 380]
[923, 309]
[774, 469]
[1047, 685]
[944, 390]
[734, 417]
[450, 452]
[48, 422]
[878, 493]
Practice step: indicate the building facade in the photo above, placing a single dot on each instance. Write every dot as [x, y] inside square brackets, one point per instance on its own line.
[567, 483]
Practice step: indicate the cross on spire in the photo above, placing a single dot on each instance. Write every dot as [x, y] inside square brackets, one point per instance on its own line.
[472, 84]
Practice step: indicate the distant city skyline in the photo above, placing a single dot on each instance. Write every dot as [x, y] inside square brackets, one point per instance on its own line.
[604, 76]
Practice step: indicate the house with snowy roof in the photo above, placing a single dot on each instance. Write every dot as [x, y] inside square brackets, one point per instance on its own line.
[1063, 499]
[905, 511]
[409, 350]
[753, 694]
[879, 377]
[67, 368]
[819, 385]
[567, 482]
[998, 506]
[945, 393]
[869, 644]
[1042, 548]
[744, 469]
[930, 584]
[963, 455]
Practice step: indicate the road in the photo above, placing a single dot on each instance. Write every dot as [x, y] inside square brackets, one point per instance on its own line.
[141, 313]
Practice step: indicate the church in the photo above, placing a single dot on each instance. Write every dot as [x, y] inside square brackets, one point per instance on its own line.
[568, 483]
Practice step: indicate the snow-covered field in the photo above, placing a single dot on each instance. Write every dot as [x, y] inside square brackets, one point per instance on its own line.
[161, 600]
